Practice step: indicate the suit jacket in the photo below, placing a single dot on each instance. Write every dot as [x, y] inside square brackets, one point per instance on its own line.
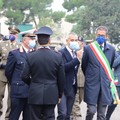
[116, 66]
[13, 71]
[71, 67]
[44, 72]
[97, 84]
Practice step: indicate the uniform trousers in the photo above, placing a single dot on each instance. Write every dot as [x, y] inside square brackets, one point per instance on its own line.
[66, 105]
[42, 112]
[18, 106]
[76, 110]
[2, 93]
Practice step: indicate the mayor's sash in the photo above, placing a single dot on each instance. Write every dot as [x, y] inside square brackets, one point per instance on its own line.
[106, 66]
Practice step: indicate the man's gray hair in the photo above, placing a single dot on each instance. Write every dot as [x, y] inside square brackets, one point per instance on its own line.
[67, 36]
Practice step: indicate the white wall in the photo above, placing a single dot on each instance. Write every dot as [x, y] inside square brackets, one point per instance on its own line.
[3, 26]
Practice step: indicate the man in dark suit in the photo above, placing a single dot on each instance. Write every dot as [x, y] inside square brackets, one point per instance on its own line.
[13, 71]
[97, 93]
[116, 66]
[44, 71]
[72, 57]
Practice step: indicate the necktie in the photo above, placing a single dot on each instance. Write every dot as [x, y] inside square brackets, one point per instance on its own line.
[101, 47]
[73, 54]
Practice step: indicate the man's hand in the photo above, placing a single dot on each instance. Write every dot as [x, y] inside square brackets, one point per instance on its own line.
[59, 100]
[80, 54]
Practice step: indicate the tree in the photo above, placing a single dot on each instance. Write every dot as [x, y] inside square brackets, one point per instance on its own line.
[19, 12]
[72, 5]
[1, 4]
[14, 11]
[57, 16]
[92, 13]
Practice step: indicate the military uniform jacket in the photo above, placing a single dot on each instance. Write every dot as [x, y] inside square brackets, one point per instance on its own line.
[14, 68]
[5, 48]
[80, 77]
[44, 72]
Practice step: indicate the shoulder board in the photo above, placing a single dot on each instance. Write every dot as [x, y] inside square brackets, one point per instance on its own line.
[32, 51]
[57, 52]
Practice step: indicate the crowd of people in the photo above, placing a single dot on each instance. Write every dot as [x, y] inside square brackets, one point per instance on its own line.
[39, 78]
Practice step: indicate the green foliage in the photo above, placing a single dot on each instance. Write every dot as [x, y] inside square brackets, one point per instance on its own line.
[17, 15]
[57, 16]
[96, 13]
[72, 4]
[37, 11]
[15, 10]
[71, 18]
[1, 4]
[46, 21]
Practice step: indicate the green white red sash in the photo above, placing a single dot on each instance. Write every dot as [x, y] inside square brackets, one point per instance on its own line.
[106, 66]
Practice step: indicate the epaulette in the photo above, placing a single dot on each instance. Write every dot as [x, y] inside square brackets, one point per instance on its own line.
[58, 52]
[33, 50]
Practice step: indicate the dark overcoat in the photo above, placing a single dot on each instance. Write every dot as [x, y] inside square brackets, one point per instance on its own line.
[96, 81]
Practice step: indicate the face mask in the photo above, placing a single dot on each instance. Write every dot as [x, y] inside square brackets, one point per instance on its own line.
[32, 44]
[100, 40]
[74, 46]
[11, 37]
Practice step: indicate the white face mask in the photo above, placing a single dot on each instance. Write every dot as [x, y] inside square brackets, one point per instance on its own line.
[32, 44]
[74, 45]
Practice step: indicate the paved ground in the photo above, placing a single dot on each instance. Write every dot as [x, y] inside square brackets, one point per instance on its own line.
[115, 115]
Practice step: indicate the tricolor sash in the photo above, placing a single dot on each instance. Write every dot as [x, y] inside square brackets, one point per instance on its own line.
[106, 66]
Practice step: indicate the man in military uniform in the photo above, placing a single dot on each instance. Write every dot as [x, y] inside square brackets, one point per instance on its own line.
[14, 39]
[76, 111]
[44, 71]
[18, 89]
[5, 47]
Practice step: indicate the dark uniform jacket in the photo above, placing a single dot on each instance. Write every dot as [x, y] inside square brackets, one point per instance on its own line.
[96, 81]
[44, 72]
[13, 71]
